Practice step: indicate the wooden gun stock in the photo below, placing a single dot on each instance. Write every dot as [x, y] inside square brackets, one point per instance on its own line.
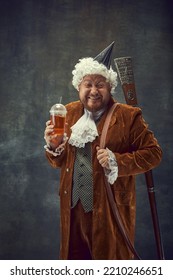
[125, 72]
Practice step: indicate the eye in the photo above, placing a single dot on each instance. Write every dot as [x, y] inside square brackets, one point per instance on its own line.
[87, 85]
[100, 85]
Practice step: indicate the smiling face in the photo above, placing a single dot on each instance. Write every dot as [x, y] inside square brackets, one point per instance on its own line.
[94, 92]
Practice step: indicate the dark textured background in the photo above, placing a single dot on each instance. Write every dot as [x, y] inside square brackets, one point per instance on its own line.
[40, 41]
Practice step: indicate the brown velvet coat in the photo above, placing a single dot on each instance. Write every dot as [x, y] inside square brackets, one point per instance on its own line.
[136, 151]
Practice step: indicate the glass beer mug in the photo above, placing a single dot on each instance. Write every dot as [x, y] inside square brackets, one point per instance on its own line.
[58, 117]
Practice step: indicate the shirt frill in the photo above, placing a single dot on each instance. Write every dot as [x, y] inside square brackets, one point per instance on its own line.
[83, 131]
[58, 151]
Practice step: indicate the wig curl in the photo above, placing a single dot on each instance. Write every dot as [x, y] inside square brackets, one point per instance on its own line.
[89, 66]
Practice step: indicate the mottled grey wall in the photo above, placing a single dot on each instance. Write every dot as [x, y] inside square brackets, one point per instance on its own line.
[40, 41]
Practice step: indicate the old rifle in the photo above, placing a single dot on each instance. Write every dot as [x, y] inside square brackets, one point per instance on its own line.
[125, 73]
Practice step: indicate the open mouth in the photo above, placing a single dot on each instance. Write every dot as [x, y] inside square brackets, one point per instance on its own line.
[93, 98]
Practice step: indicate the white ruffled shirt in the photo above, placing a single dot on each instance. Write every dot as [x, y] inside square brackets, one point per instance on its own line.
[84, 131]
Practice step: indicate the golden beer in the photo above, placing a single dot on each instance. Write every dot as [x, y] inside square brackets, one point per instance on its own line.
[58, 117]
[59, 124]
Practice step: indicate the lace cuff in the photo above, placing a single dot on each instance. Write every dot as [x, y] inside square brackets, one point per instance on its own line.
[58, 151]
[111, 172]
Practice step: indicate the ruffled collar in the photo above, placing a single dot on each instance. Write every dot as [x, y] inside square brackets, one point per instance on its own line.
[85, 129]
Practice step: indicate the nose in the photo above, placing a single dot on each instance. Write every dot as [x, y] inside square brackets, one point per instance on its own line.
[94, 90]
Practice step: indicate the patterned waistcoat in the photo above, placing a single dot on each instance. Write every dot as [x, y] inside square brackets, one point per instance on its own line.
[82, 178]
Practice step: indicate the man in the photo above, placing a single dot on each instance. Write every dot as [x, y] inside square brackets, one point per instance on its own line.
[88, 228]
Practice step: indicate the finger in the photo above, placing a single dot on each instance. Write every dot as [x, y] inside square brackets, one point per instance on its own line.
[48, 131]
[66, 125]
[102, 153]
[48, 122]
[103, 159]
[104, 163]
[51, 126]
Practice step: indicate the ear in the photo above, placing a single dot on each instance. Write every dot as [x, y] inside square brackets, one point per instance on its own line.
[78, 88]
[109, 87]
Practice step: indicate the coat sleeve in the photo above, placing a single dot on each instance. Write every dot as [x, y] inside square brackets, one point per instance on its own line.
[55, 161]
[144, 153]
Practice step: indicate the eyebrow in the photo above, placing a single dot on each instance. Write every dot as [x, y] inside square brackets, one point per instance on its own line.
[87, 80]
[97, 82]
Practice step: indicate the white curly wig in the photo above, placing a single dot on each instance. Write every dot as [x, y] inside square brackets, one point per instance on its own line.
[89, 66]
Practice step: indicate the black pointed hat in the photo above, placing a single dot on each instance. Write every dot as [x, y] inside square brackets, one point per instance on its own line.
[105, 56]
